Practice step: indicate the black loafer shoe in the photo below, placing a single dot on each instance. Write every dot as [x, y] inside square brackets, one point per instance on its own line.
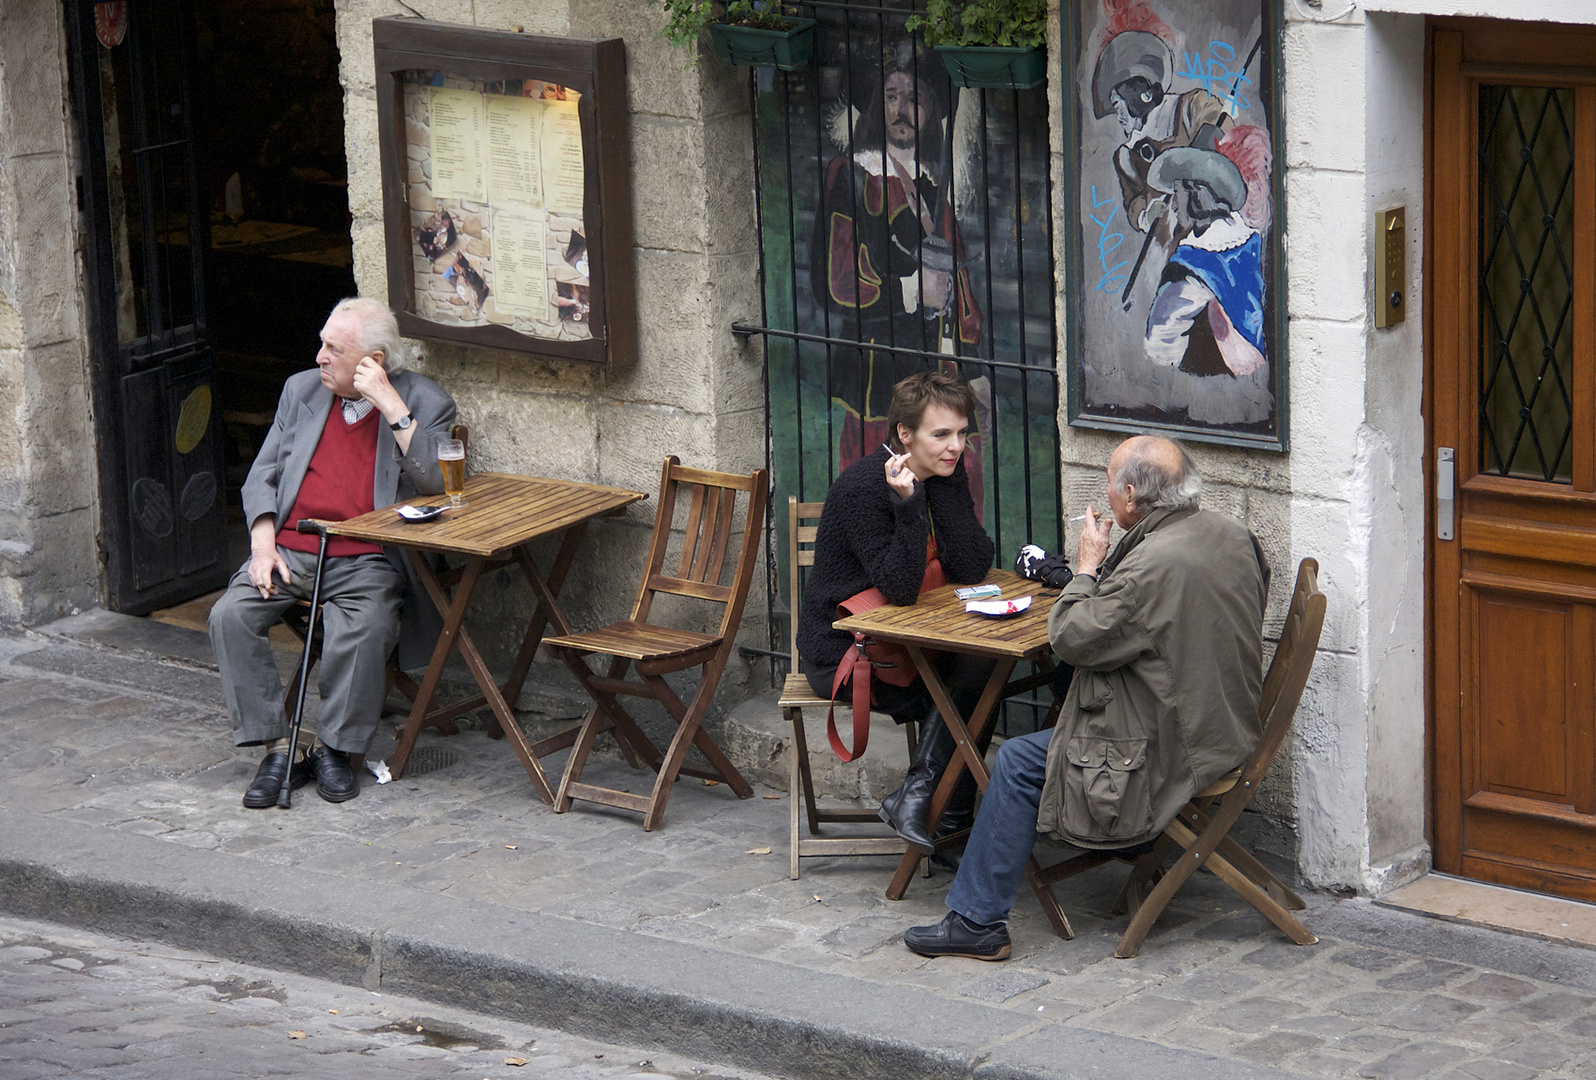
[958, 936]
[335, 779]
[267, 783]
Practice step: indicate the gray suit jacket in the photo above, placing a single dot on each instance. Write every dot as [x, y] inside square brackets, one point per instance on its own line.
[279, 469]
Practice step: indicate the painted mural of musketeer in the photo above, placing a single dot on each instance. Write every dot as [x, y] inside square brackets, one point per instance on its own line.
[886, 260]
[1177, 311]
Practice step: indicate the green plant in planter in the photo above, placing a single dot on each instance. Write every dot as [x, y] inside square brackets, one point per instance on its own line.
[685, 18]
[1021, 23]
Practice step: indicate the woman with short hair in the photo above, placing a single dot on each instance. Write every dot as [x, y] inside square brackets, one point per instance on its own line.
[886, 518]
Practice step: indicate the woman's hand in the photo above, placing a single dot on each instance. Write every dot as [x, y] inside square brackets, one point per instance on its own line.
[899, 478]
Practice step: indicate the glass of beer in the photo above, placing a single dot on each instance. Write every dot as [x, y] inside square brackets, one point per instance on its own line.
[451, 460]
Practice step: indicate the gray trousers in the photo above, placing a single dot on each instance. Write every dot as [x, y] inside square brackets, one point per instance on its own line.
[361, 596]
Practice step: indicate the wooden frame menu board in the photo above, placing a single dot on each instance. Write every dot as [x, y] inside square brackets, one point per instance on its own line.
[506, 189]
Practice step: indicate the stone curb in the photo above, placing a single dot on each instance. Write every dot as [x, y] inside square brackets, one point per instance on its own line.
[593, 981]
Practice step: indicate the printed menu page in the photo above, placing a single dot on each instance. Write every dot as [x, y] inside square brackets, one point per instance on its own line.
[514, 172]
[562, 157]
[520, 266]
[458, 124]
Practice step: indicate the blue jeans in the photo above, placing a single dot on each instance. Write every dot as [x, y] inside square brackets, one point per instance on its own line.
[1005, 829]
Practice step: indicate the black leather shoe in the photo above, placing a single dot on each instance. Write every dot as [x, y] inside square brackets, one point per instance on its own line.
[335, 779]
[267, 783]
[958, 936]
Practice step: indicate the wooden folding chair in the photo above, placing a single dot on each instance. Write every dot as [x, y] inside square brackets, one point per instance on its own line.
[658, 650]
[796, 696]
[1202, 837]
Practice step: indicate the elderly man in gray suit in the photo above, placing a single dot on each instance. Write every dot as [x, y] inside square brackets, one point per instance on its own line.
[353, 435]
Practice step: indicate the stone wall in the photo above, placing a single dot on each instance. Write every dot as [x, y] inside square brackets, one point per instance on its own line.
[48, 516]
[696, 391]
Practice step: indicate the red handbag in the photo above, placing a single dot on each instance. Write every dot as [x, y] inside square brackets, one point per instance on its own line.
[871, 659]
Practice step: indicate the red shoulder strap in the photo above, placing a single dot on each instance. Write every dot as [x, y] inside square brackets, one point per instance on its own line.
[859, 671]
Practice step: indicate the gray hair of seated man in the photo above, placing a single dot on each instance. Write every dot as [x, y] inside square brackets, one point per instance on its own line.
[379, 330]
[1157, 487]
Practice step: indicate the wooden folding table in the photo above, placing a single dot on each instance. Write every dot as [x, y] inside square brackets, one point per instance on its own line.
[503, 515]
[938, 622]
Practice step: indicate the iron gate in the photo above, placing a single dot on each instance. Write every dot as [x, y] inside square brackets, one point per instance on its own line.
[858, 295]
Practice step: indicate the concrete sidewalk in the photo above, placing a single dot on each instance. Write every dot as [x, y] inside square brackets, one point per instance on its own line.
[119, 811]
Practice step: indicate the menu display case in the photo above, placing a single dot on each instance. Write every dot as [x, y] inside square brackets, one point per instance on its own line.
[506, 189]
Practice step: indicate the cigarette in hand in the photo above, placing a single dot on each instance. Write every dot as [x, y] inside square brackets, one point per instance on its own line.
[1080, 517]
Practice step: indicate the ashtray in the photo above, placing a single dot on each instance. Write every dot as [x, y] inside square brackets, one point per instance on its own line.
[420, 513]
[997, 609]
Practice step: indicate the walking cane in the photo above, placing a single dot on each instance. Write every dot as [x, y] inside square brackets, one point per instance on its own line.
[306, 525]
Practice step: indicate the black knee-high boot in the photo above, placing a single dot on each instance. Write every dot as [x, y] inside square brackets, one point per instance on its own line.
[907, 808]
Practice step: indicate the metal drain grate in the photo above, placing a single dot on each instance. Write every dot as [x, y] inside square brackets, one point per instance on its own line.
[425, 759]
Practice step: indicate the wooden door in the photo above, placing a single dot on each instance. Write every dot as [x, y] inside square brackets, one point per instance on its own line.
[146, 217]
[1512, 395]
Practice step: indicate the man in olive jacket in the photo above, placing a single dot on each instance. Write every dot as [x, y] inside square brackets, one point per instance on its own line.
[1166, 637]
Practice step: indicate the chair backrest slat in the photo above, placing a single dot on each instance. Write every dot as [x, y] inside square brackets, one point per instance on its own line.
[695, 520]
[660, 538]
[800, 553]
[723, 531]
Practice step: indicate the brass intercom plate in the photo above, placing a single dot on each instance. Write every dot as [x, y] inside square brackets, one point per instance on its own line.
[1390, 266]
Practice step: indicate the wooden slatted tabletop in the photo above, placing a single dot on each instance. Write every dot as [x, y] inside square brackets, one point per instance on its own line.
[502, 512]
[937, 620]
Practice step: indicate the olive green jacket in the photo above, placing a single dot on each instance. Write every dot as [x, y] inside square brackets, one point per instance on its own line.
[1167, 646]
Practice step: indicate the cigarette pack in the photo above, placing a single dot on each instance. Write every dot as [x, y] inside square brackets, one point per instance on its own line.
[976, 592]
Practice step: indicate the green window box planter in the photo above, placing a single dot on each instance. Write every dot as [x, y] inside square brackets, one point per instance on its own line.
[995, 67]
[750, 46]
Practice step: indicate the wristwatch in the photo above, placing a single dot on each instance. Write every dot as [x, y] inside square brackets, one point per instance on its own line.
[403, 422]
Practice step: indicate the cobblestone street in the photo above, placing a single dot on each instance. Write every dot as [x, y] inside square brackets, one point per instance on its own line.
[93, 743]
[76, 1004]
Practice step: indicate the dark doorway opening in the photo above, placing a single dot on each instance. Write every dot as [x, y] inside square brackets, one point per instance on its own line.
[272, 139]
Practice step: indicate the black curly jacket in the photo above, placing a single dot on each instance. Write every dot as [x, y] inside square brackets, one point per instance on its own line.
[870, 536]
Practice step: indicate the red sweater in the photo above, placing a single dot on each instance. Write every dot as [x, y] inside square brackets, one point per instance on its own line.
[338, 484]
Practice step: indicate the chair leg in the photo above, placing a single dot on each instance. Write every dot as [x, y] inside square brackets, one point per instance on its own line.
[1050, 905]
[1248, 889]
[724, 770]
[1147, 913]
[801, 773]
[797, 788]
[688, 733]
[1145, 873]
[578, 759]
[1244, 861]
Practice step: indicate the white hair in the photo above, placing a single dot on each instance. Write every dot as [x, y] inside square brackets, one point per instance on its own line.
[1157, 488]
[379, 330]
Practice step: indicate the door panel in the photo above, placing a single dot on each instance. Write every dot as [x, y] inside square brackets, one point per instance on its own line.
[1512, 374]
[146, 223]
[1519, 726]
